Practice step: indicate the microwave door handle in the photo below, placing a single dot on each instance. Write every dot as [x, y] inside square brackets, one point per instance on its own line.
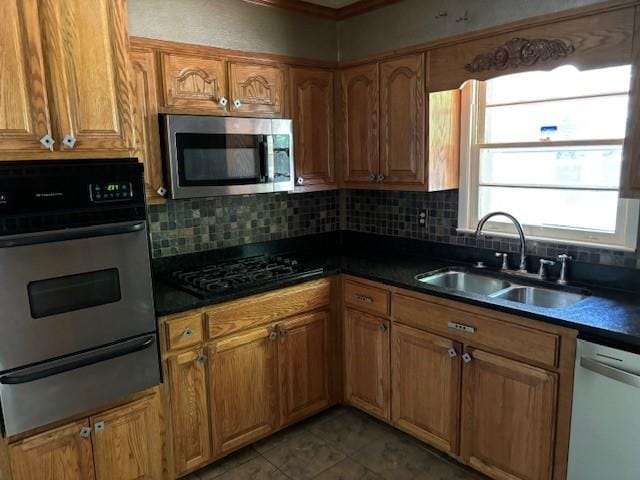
[78, 361]
[71, 234]
[266, 159]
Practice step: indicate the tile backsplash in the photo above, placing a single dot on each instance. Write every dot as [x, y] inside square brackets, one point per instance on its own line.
[186, 226]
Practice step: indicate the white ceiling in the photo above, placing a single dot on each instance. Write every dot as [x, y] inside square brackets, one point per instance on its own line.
[332, 3]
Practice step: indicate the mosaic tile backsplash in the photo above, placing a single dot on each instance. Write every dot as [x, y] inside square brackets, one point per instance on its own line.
[186, 226]
[397, 214]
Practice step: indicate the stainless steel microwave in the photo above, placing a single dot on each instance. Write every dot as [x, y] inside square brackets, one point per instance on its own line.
[210, 156]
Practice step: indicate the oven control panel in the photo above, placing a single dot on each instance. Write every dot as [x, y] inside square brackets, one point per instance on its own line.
[111, 192]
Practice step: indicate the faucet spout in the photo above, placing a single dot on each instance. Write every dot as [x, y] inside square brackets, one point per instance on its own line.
[518, 225]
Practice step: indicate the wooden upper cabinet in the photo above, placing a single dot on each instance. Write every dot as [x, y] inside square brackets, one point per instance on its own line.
[87, 57]
[24, 109]
[444, 140]
[56, 454]
[256, 89]
[189, 410]
[192, 82]
[303, 366]
[508, 417]
[127, 443]
[425, 373]
[366, 343]
[243, 388]
[146, 128]
[402, 120]
[312, 101]
[359, 105]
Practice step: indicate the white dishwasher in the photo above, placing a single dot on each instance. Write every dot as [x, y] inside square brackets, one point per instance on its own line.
[605, 423]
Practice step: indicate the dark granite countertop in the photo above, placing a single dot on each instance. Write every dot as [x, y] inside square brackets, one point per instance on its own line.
[607, 316]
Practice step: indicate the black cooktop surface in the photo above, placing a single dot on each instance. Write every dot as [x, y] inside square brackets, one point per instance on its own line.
[217, 278]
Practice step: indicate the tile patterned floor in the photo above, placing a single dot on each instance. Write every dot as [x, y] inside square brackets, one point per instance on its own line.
[340, 444]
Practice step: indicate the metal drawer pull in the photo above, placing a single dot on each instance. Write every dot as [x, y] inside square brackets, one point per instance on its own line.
[461, 327]
[188, 333]
[201, 359]
[466, 358]
[69, 141]
[452, 352]
[47, 141]
[99, 427]
[382, 328]
[363, 298]
[237, 103]
[85, 432]
[610, 372]
[223, 101]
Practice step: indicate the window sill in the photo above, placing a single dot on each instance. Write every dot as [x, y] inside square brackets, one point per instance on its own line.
[581, 243]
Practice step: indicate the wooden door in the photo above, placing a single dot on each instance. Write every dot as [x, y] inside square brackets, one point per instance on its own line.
[367, 362]
[360, 124]
[256, 89]
[508, 417]
[191, 82]
[402, 120]
[303, 371]
[444, 140]
[146, 132]
[189, 410]
[127, 443]
[87, 57]
[61, 453]
[312, 106]
[24, 109]
[243, 388]
[425, 384]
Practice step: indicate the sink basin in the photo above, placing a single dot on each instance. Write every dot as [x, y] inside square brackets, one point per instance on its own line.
[464, 282]
[541, 297]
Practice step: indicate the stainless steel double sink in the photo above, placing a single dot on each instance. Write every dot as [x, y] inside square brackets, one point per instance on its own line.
[495, 287]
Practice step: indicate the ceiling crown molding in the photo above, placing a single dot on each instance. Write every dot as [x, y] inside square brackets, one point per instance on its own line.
[300, 6]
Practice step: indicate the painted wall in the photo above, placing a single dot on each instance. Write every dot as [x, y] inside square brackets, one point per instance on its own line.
[412, 22]
[234, 24]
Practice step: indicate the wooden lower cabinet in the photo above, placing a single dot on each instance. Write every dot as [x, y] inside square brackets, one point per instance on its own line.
[508, 417]
[303, 370]
[425, 372]
[53, 455]
[243, 388]
[366, 339]
[189, 410]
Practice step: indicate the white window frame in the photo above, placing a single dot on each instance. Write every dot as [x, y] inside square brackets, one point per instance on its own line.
[472, 107]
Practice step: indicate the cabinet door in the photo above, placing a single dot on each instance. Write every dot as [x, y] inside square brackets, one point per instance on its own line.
[126, 442]
[402, 120]
[189, 410]
[508, 417]
[256, 89]
[57, 454]
[444, 140]
[146, 131]
[243, 388]
[303, 366]
[24, 111]
[312, 107]
[367, 362]
[195, 82]
[87, 57]
[425, 375]
[360, 123]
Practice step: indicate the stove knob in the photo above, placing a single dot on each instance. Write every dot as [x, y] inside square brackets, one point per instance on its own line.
[294, 263]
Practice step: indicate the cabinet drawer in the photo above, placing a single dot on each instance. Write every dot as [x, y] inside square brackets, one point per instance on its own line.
[269, 307]
[366, 297]
[184, 331]
[470, 328]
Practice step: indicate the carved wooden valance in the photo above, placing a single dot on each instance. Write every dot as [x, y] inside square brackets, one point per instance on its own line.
[520, 52]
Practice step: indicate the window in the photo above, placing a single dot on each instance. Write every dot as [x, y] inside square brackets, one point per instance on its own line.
[547, 148]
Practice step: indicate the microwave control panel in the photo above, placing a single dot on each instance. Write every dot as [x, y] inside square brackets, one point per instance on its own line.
[111, 192]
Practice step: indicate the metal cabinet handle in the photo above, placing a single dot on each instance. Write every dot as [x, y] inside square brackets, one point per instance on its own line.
[300, 180]
[461, 327]
[452, 352]
[99, 427]
[161, 191]
[47, 141]
[610, 372]
[237, 103]
[69, 141]
[380, 178]
[201, 359]
[382, 328]
[466, 358]
[85, 432]
[372, 177]
[273, 335]
[284, 333]
[188, 333]
[363, 298]
[223, 101]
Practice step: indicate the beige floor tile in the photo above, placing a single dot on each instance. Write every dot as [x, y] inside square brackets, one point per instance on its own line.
[256, 469]
[283, 437]
[348, 469]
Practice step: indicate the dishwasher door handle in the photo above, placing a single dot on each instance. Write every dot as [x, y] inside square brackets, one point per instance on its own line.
[610, 372]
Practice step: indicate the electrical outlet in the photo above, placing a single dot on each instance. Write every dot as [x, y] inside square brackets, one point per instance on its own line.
[422, 218]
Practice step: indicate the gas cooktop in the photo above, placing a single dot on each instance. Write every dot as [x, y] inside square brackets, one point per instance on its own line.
[237, 274]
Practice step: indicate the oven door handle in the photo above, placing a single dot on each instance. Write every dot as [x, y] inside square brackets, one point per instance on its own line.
[79, 361]
[71, 234]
